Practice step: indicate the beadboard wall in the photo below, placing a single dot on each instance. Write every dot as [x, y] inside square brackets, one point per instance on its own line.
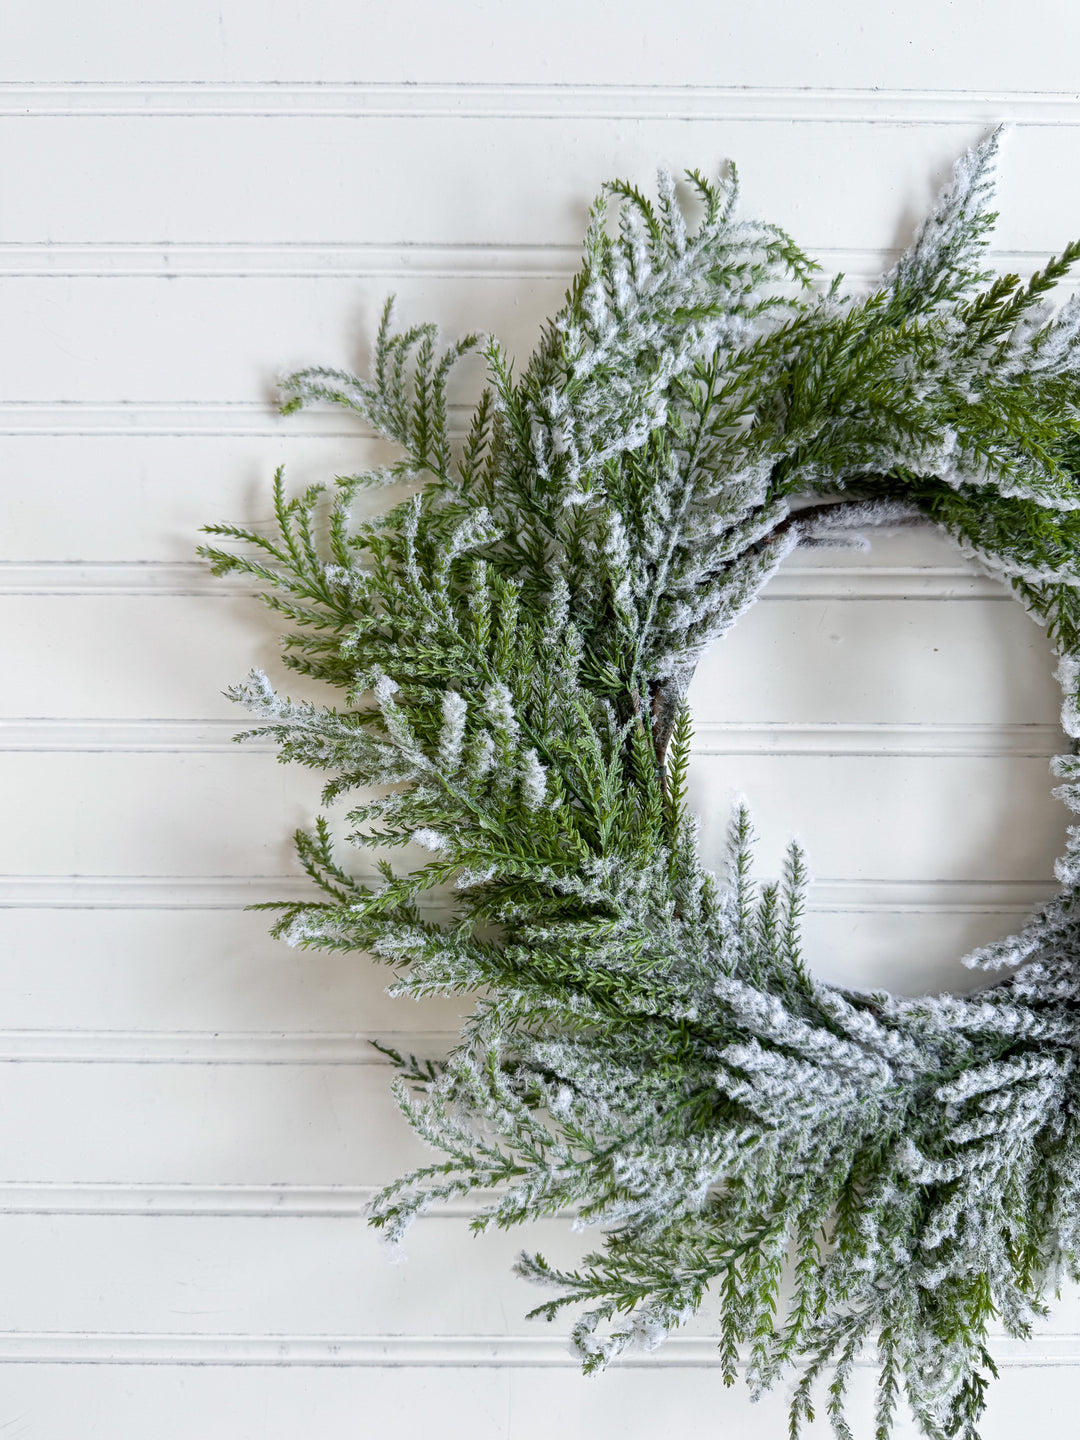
[195, 200]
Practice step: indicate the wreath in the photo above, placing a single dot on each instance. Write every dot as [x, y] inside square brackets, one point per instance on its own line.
[513, 642]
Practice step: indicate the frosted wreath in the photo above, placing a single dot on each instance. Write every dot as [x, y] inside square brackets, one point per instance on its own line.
[513, 643]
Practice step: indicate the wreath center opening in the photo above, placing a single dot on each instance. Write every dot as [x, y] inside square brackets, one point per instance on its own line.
[896, 711]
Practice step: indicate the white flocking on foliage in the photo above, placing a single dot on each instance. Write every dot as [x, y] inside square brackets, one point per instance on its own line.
[513, 643]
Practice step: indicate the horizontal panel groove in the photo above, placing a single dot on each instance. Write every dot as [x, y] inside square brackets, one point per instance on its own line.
[929, 740]
[793, 582]
[128, 577]
[235, 892]
[205, 1201]
[129, 737]
[478, 101]
[494, 1351]
[883, 582]
[194, 1047]
[958, 897]
[253, 419]
[149, 892]
[297, 260]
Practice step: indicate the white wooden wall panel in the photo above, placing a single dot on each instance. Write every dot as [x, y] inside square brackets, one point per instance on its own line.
[191, 203]
[924, 44]
[531, 1402]
[157, 179]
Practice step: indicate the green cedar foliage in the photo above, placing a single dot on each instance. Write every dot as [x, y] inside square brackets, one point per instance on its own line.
[512, 644]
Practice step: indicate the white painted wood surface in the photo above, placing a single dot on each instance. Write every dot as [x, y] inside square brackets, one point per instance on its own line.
[192, 202]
